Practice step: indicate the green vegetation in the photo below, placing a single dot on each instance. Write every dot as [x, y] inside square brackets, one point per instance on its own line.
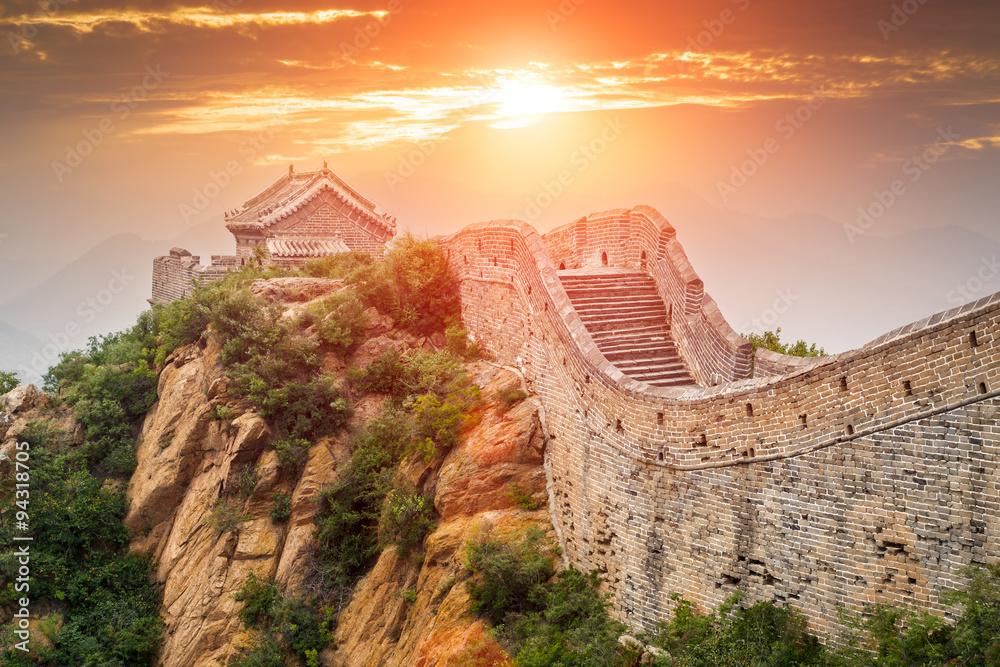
[292, 454]
[771, 340]
[545, 619]
[521, 497]
[288, 628]
[407, 517]
[414, 285]
[79, 560]
[8, 381]
[225, 516]
[225, 412]
[509, 397]
[281, 507]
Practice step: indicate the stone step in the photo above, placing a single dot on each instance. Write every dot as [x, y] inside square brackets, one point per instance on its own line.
[616, 323]
[603, 295]
[627, 319]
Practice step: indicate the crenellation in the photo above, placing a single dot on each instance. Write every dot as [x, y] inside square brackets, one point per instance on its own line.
[705, 489]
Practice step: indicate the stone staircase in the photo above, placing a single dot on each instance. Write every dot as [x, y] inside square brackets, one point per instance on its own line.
[628, 320]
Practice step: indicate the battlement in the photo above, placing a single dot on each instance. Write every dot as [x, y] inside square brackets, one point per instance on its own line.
[174, 274]
[861, 477]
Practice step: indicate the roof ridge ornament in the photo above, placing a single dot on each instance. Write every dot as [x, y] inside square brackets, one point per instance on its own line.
[291, 170]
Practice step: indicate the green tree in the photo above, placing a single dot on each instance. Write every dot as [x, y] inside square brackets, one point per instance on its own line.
[7, 382]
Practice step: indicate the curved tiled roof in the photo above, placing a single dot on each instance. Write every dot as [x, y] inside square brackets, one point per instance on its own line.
[292, 191]
[304, 247]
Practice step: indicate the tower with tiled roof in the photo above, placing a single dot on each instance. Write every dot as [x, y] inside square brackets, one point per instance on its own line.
[306, 215]
[301, 216]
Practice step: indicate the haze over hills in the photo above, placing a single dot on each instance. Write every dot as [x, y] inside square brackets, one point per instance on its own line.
[101, 291]
[837, 294]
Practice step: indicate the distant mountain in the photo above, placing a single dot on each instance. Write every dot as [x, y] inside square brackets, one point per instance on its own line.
[16, 349]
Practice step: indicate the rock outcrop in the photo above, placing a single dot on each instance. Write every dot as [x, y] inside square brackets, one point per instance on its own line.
[187, 460]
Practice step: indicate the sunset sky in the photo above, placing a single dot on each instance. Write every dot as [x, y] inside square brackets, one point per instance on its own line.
[771, 123]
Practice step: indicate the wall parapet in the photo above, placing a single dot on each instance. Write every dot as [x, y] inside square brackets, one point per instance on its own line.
[174, 274]
[819, 439]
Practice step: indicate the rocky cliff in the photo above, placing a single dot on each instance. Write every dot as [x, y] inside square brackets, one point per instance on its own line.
[405, 611]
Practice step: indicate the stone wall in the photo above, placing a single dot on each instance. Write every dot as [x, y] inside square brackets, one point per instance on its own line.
[866, 476]
[642, 238]
[173, 274]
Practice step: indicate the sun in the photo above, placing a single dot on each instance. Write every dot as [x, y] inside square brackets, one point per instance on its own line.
[522, 102]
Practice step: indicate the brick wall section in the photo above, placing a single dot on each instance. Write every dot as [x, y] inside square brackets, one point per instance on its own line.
[173, 274]
[642, 238]
[861, 477]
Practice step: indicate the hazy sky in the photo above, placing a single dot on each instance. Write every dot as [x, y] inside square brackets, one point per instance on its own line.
[152, 118]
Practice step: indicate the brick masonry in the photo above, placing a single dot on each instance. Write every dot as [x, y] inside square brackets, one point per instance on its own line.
[862, 477]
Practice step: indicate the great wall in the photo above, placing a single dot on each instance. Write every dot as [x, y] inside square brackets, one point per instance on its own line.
[868, 476]
[678, 462]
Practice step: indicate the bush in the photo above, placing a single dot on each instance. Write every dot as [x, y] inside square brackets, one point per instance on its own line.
[8, 381]
[261, 601]
[521, 497]
[244, 481]
[281, 510]
[224, 517]
[307, 410]
[348, 514]
[262, 651]
[509, 397]
[288, 625]
[343, 322]
[293, 453]
[508, 576]
[386, 375]
[225, 412]
[407, 517]
[414, 285]
[340, 265]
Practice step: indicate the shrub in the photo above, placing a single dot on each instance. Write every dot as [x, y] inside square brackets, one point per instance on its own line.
[508, 576]
[8, 381]
[407, 516]
[307, 410]
[225, 412]
[244, 481]
[386, 375]
[344, 323]
[409, 594]
[262, 651]
[281, 510]
[340, 265]
[521, 497]
[224, 517]
[348, 515]
[509, 397]
[261, 601]
[414, 285]
[292, 454]
[287, 625]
